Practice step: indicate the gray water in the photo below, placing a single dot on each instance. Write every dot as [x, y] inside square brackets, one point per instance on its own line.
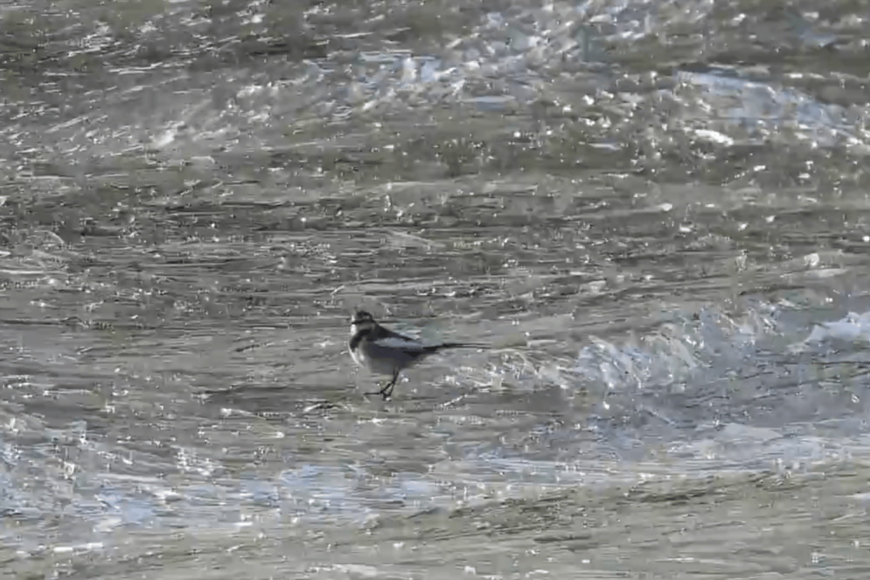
[655, 213]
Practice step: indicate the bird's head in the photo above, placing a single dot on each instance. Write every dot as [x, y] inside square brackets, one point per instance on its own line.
[361, 320]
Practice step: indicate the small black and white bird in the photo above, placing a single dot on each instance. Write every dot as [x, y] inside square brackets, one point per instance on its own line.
[384, 352]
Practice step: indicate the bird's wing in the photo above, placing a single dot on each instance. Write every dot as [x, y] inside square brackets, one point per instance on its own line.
[388, 339]
[379, 333]
[402, 343]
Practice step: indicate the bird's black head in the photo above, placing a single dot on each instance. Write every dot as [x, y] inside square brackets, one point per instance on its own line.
[361, 317]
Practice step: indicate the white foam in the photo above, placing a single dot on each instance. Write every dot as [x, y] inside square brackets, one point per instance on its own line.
[676, 350]
[852, 328]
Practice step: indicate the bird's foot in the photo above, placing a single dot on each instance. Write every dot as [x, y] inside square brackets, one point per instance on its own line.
[386, 392]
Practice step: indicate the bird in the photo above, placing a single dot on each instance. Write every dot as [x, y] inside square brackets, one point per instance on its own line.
[385, 352]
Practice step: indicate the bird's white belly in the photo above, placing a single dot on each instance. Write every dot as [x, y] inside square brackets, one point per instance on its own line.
[377, 359]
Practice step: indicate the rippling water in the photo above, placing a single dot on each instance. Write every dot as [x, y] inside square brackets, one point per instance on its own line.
[656, 213]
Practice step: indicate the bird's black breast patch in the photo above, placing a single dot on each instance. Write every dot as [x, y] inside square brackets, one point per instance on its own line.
[358, 338]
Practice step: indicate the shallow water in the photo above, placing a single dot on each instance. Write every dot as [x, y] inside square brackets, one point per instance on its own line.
[656, 214]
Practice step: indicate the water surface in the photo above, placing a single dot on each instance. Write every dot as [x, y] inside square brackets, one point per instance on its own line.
[656, 214]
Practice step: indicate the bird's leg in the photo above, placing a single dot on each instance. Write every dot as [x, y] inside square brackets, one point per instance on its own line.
[387, 391]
